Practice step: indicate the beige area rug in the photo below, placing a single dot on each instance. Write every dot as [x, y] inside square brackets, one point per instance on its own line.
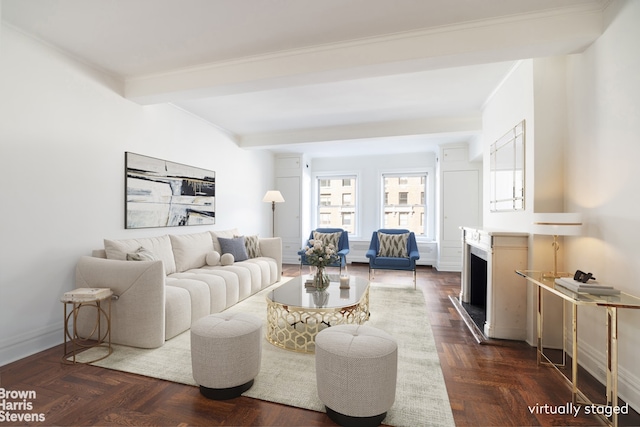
[289, 378]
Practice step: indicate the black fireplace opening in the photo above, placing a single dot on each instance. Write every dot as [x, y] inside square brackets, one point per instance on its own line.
[477, 305]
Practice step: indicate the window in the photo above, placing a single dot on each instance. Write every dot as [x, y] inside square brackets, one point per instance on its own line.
[403, 198]
[404, 203]
[337, 202]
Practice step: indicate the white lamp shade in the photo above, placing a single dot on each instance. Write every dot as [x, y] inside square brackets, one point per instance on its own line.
[557, 224]
[273, 196]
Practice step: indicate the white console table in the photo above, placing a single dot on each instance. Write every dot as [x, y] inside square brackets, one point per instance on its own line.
[506, 296]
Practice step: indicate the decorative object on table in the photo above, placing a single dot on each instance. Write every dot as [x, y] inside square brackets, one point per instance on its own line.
[273, 196]
[583, 277]
[337, 236]
[320, 298]
[557, 224]
[87, 294]
[344, 281]
[593, 288]
[160, 193]
[320, 254]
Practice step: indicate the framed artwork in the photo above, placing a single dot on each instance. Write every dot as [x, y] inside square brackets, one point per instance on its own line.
[160, 193]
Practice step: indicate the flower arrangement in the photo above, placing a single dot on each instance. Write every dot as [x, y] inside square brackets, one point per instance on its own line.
[320, 254]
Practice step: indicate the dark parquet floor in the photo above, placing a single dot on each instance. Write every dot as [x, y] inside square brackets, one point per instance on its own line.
[488, 385]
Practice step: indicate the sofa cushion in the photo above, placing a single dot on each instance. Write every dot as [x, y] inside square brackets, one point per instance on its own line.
[227, 234]
[159, 246]
[252, 244]
[190, 250]
[393, 245]
[235, 247]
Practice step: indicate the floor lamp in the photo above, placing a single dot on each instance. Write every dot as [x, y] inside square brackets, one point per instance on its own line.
[557, 224]
[273, 196]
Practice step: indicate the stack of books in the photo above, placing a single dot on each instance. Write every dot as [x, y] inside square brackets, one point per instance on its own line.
[591, 287]
[87, 294]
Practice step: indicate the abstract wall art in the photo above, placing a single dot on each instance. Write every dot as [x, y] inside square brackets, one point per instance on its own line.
[160, 193]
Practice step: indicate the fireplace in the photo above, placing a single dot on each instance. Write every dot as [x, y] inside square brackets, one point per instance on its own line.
[493, 299]
[476, 306]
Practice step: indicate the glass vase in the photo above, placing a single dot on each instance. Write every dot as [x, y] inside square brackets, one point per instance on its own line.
[320, 280]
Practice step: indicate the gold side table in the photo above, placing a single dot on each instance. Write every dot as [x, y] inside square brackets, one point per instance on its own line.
[611, 303]
[100, 335]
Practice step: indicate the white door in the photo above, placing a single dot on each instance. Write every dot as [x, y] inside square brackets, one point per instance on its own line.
[287, 222]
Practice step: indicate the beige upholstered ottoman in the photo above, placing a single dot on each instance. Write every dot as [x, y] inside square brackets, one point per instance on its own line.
[226, 350]
[356, 371]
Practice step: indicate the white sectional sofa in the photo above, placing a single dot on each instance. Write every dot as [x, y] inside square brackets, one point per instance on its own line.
[174, 281]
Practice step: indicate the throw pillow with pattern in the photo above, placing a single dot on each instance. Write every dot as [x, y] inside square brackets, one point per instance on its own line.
[328, 238]
[393, 245]
[252, 245]
[141, 254]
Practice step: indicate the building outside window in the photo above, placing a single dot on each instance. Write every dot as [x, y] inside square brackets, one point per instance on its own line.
[337, 202]
[404, 203]
[403, 198]
[324, 220]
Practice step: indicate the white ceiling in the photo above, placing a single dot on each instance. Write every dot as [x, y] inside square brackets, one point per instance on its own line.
[330, 77]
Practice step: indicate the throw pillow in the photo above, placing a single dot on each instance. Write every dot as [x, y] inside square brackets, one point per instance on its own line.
[226, 259]
[234, 247]
[213, 258]
[142, 254]
[328, 238]
[252, 245]
[393, 245]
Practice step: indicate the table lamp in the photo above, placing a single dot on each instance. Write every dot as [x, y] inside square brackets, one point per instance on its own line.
[557, 224]
[273, 196]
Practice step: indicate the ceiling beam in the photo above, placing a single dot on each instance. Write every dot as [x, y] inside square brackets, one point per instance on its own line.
[517, 37]
[441, 126]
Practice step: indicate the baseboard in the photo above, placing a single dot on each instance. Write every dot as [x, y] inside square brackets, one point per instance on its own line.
[453, 267]
[23, 345]
[594, 362]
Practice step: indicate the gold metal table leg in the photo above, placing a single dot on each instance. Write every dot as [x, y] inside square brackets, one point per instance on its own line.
[574, 355]
[612, 362]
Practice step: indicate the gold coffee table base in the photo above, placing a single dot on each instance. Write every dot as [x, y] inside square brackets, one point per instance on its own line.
[295, 328]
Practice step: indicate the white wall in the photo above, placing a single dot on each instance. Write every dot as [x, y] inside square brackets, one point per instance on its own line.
[510, 104]
[63, 133]
[369, 170]
[603, 180]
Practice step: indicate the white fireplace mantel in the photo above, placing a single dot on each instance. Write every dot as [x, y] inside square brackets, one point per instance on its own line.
[506, 293]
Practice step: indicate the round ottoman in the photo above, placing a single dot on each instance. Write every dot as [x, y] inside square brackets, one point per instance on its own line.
[226, 350]
[356, 371]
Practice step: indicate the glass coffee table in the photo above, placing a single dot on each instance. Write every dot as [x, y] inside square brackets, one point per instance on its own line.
[296, 313]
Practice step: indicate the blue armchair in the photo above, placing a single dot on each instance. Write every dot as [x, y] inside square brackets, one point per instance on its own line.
[391, 254]
[342, 247]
